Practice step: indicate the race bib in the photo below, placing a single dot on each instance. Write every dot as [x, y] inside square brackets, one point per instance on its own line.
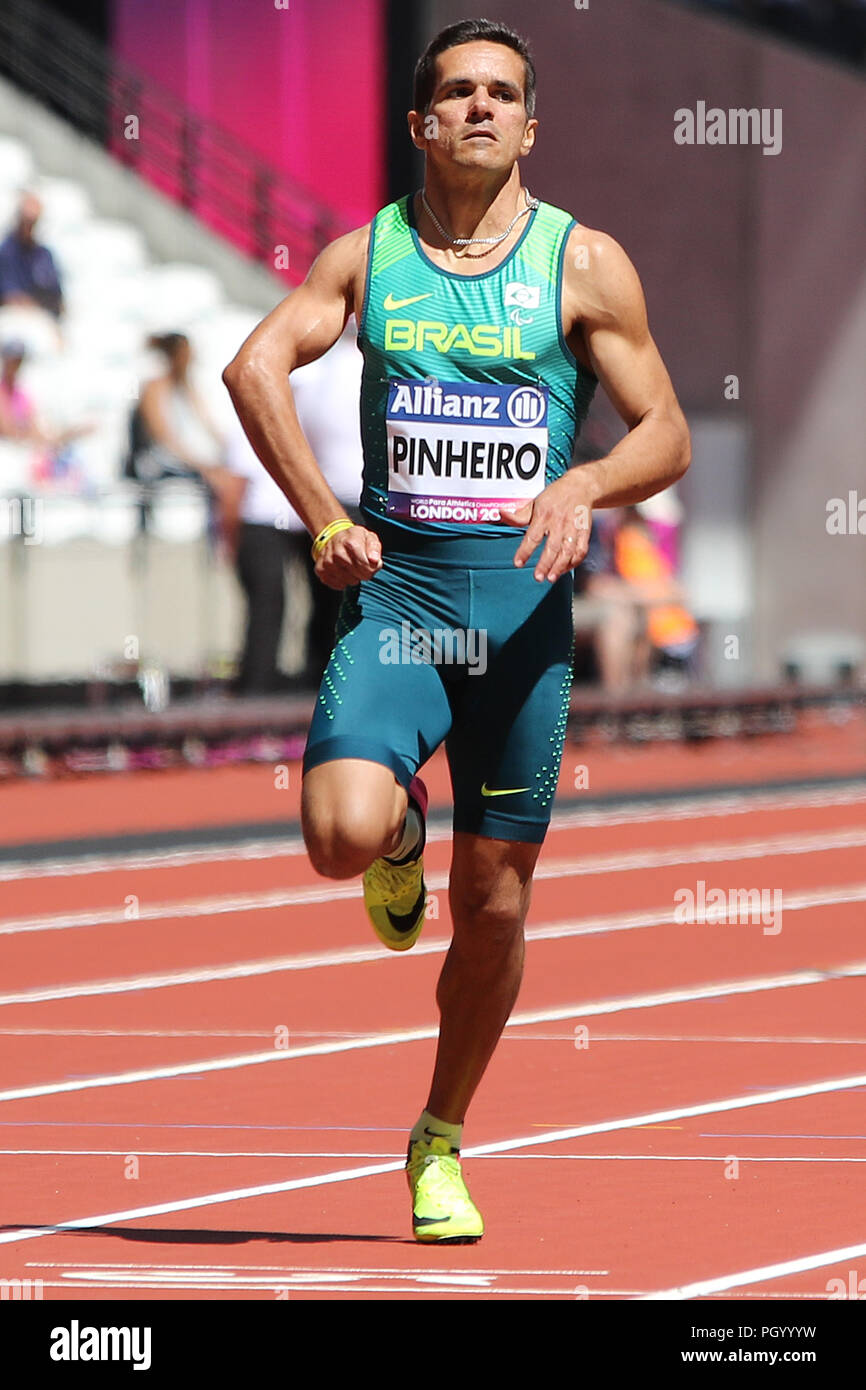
[458, 451]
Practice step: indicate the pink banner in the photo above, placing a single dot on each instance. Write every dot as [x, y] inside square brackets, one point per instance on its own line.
[302, 84]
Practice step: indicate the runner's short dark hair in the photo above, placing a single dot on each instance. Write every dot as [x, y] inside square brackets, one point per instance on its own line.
[471, 31]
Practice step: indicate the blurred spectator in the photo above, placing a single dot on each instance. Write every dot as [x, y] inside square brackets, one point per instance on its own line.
[52, 460]
[663, 515]
[642, 608]
[171, 433]
[255, 528]
[326, 395]
[269, 531]
[28, 274]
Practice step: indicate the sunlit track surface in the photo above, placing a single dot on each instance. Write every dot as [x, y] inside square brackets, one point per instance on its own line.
[204, 1051]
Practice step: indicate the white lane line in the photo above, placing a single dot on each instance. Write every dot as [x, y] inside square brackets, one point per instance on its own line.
[204, 1153]
[705, 1287]
[85, 865]
[360, 955]
[717, 990]
[217, 905]
[169, 1278]
[774, 1039]
[652, 1000]
[710, 852]
[218, 1064]
[627, 813]
[206, 1200]
[704, 852]
[706, 808]
[427, 1292]
[743, 1102]
[168, 1033]
[427, 1287]
[305, 1271]
[512, 1158]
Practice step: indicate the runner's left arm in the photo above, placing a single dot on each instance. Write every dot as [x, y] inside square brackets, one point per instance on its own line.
[604, 302]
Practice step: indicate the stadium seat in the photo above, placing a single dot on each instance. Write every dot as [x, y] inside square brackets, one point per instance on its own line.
[179, 512]
[64, 519]
[16, 164]
[103, 337]
[98, 453]
[65, 206]
[15, 469]
[90, 371]
[114, 519]
[223, 330]
[178, 295]
[99, 248]
[37, 330]
[123, 295]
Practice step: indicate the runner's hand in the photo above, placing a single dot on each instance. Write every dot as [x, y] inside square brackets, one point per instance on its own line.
[350, 556]
[560, 515]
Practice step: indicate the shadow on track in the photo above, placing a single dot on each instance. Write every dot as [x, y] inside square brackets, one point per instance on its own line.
[171, 1236]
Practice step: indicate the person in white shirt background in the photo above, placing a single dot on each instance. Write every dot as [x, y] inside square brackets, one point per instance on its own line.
[263, 530]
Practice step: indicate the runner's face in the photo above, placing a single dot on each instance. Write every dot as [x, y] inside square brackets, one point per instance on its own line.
[479, 110]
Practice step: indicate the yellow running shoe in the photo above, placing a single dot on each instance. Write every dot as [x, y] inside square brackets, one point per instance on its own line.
[442, 1210]
[395, 895]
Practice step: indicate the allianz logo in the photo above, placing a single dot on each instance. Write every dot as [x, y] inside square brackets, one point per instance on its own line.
[524, 405]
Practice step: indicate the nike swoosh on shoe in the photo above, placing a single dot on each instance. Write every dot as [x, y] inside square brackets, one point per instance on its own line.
[405, 921]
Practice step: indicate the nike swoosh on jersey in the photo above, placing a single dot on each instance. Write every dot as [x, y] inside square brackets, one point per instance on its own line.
[506, 791]
[390, 303]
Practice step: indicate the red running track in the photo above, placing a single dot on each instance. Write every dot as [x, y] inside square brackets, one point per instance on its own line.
[210, 1065]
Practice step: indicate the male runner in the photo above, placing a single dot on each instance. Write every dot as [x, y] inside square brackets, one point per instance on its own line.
[486, 320]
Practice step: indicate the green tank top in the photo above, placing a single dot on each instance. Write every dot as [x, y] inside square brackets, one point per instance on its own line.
[470, 397]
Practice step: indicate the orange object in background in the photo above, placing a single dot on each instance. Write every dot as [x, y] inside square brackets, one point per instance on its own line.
[638, 560]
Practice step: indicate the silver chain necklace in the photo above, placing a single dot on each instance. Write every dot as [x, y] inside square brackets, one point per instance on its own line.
[531, 203]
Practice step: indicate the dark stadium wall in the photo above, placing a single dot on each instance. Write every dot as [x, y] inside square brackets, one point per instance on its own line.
[303, 85]
[753, 264]
[91, 15]
[406, 34]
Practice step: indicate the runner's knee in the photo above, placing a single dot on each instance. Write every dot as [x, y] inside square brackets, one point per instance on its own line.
[343, 844]
[345, 832]
[488, 917]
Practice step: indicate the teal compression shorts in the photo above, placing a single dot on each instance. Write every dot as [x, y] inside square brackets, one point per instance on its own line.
[450, 642]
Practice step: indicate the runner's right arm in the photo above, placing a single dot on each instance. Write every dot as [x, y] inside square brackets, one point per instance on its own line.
[302, 328]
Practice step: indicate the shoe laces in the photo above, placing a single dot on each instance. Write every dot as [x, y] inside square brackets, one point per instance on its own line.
[390, 880]
[440, 1170]
[448, 1165]
[443, 1183]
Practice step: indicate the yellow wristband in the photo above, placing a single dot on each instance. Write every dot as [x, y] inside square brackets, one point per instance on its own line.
[341, 524]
